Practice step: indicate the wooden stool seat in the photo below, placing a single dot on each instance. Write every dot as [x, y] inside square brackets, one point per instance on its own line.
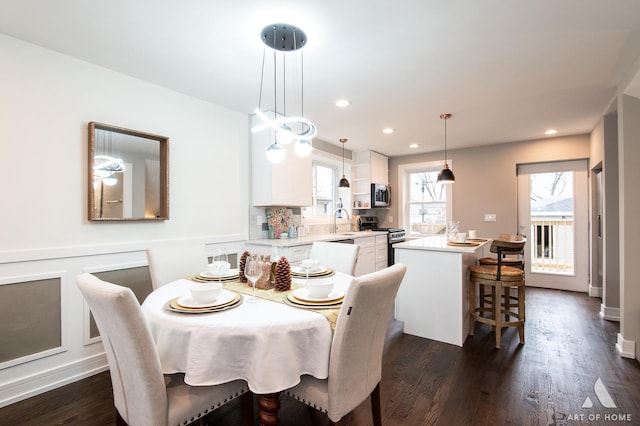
[487, 272]
[501, 279]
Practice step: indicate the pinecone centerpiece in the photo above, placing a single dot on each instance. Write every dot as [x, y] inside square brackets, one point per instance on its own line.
[283, 275]
[243, 261]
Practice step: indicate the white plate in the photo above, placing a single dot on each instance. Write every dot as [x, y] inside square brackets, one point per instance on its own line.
[231, 273]
[302, 271]
[225, 296]
[303, 294]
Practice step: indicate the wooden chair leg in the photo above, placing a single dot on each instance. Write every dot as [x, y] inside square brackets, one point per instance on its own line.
[497, 314]
[119, 420]
[472, 307]
[521, 313]
[375, 406]
[247, 408]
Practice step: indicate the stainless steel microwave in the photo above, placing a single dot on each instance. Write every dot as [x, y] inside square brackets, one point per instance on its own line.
[380, 195]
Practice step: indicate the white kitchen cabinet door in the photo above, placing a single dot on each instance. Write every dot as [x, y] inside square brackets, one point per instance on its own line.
[381, 252]
[288, 183]
[366, 256]
[379, 168]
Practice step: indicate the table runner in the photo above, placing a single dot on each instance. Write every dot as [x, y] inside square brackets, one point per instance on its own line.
[279, 296]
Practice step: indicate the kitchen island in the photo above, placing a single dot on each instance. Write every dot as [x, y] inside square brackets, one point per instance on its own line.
[432, 300]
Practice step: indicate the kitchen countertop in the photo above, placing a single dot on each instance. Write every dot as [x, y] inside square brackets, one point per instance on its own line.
[437, 243]
[300, 241]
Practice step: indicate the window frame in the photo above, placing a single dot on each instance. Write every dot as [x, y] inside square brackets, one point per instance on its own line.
[404, 203]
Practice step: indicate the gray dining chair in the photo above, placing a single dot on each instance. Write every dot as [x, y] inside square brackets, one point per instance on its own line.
[172, 262]
[142, 394]
[337, 256]
[355, 362]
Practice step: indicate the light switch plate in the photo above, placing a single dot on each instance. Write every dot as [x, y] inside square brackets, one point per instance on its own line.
[258, 220]
[490, 217]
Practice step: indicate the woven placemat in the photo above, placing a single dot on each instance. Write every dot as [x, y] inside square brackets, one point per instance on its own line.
[456, 244]
[281, 296]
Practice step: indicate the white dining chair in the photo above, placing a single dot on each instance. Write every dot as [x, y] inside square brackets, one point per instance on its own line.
[355, 362]
[142, 394]
[172, 262]
[338, 256]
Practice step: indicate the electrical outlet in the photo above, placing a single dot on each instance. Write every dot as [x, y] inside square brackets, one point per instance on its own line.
[490, 217]
[258, 220]
[390, 219]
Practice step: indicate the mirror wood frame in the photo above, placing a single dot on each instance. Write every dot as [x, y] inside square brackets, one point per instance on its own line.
[163, 191]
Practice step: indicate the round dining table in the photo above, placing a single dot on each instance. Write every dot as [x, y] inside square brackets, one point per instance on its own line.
[268, 344]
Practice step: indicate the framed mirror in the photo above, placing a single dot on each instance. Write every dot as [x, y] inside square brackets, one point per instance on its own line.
[128, 174]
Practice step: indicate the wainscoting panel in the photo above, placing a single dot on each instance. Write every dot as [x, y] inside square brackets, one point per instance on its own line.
[31, 318]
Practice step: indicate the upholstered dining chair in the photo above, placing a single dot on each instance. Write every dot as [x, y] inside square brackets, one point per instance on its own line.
[340, 257]
[142, 394]
[169, 263]
[355, 363]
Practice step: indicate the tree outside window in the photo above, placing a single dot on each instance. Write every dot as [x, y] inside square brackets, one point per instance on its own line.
[427, 203]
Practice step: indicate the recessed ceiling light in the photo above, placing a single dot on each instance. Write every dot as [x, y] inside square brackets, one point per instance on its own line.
[414, 145]
[343, 103]
[388, 131]
[551, 132]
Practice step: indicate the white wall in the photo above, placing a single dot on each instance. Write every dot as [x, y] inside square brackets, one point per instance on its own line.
[629, 176]
[46, 102]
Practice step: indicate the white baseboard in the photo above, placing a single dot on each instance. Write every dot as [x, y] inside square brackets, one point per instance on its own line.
[28, 386]
[626, 348]
[611, 314]
[595, 291]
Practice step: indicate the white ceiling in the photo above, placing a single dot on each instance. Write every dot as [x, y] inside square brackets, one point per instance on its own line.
[507, 70]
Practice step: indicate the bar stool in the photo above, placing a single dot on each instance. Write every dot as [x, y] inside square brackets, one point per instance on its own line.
[509, 257]
[501, 279]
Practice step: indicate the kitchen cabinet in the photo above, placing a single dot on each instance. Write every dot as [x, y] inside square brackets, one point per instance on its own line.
[366, 256]
[381, 252]
[284, 184]
[368, 167]
[294, 254]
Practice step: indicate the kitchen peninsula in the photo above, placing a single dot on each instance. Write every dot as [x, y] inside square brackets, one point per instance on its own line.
[432, 300]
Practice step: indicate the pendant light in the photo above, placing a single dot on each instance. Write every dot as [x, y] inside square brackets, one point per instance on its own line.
[344, 183]
[284, 38]
[445, 175]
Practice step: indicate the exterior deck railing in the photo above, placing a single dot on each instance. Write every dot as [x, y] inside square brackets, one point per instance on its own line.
[552, 243]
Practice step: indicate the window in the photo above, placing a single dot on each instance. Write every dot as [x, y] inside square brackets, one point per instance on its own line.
[426, 203]
[326, 196]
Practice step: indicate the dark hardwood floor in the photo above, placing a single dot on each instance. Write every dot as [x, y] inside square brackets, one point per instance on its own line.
[544, 382]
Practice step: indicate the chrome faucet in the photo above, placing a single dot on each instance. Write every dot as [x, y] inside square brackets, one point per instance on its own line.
[335, 212]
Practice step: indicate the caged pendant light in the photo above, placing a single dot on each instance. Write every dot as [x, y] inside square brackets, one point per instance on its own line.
[343, 183]
[284, 39]
[445, 175]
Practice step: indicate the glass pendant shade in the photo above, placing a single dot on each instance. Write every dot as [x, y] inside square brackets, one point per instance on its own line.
[275, 153]
[110, 181]
[303, 148]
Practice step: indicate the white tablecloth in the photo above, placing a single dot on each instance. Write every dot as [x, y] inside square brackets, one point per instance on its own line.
[268, 344]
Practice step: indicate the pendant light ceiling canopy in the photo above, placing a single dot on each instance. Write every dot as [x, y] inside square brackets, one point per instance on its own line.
[343, 183]
[445, 175]
[284, 40]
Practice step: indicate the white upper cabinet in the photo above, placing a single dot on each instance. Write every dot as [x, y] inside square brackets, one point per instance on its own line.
[284, 184]
[379, 168]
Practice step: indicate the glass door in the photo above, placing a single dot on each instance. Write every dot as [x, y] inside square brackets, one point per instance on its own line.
[553, 214]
